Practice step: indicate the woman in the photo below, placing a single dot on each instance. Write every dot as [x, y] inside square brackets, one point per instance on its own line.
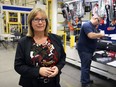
[40, 55]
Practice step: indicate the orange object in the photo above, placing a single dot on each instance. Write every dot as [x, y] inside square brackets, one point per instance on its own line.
[110, 28]
[102, 21]
[70, 26]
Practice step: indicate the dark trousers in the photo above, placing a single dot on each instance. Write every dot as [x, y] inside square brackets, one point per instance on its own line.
[86, 59]
[40, 83]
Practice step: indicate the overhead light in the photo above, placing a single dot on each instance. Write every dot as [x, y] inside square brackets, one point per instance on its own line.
[6, 0]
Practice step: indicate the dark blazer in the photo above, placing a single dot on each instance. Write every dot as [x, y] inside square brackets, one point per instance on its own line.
[24, 66]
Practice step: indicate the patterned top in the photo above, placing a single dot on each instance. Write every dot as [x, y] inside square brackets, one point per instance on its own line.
[44, 54]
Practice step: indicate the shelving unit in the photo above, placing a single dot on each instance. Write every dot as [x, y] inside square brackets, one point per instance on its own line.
[12, 27]
[23, 18]
[13, 17]
[13, 23]
[4, 21]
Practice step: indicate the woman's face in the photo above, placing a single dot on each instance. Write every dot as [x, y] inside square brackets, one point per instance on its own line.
[39, 23]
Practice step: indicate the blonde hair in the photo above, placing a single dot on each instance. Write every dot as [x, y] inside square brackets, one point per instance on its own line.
[31, 16]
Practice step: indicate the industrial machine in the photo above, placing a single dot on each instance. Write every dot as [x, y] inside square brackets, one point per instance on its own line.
[105, 67]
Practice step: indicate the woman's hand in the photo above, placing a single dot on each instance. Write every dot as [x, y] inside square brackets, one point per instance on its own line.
[45, 71]
[48, 71]
[54, 71]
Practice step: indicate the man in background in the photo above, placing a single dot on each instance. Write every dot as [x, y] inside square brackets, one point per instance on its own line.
[86, 46]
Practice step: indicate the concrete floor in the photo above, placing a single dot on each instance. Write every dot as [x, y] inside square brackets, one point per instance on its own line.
[70, 76]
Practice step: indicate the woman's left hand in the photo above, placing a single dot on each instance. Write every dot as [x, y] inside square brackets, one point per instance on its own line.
[54, 70]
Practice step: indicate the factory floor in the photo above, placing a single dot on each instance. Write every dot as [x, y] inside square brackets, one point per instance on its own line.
[70, 76]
